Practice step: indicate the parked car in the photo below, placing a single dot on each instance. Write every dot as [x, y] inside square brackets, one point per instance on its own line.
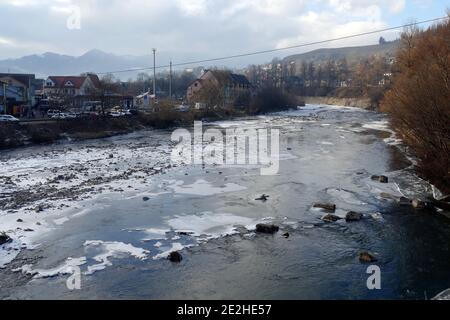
[8, 118]
[72, 115]
[59, 116]
[116, 114]
[51, 112]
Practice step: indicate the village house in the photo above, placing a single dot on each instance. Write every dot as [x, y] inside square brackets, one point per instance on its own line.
[71, 86]
[18, 93]
[230, 84]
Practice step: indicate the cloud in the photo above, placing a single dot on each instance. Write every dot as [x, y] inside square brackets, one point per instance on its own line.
[185, 29]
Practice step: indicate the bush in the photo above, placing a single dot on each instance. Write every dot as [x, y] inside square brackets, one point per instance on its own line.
[270, 99]
[419, 101]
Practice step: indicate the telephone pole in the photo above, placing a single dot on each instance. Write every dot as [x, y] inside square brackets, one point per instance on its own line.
[170, 81]
[154, 72]
[4, 97]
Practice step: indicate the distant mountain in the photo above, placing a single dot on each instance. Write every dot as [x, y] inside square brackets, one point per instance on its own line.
[56, 64]
[98, 61]
[352, 54]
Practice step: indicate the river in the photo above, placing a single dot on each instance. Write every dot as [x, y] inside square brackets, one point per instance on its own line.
[115, 207]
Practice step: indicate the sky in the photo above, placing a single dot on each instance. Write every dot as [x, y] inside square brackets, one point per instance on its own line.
[185, 30]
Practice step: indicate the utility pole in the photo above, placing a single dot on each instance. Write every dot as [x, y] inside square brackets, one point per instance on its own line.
[4, 97]
[170, 81]
[154, 72]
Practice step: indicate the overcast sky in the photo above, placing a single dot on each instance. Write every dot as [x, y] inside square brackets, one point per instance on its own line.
[196, 29]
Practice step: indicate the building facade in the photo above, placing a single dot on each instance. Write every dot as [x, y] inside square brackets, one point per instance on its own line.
[230, 85]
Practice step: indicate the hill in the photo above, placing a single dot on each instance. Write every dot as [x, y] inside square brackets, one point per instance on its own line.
[50, 63]
[352, 54]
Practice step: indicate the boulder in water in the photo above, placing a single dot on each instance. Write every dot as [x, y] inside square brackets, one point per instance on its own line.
[353, 216]
[331, 218]
[267, 228]
[381, 179]
[418, 204]
[403, 201]
[366, 257]
[326, 206]
[4, 238]
[175, 257]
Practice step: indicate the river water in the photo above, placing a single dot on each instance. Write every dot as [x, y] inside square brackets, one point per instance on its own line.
[114, 208]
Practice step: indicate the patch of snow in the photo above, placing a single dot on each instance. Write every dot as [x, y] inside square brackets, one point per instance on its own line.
[203, 188]
[109, 250]
[66, 268]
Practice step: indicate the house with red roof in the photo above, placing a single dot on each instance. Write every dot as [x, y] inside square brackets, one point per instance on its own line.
[71, 86]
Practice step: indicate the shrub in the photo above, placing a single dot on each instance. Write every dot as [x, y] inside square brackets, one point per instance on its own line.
[419, 100]
[270, 99]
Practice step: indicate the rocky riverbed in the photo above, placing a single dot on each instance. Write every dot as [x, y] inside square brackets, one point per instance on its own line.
[118, 207]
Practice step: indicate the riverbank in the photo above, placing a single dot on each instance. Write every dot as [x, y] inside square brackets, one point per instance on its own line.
[363, 103]
[14, 135]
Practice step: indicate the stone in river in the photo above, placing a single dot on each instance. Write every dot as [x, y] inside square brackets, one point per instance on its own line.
[267, 228]
[4, 238]
[331, 218]
[382, 179]
[366, 257]
[175, 256]
[326, 206]
[404, 201]
[418, 204]
[353, 216]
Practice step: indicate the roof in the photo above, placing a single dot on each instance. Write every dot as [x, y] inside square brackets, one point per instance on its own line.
[77, 81]
[61, 81]
[21, 77]
[227, 77]
[240, 79]
[95, 80]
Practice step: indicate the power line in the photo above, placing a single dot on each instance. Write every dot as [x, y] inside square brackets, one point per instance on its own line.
[277, 49]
